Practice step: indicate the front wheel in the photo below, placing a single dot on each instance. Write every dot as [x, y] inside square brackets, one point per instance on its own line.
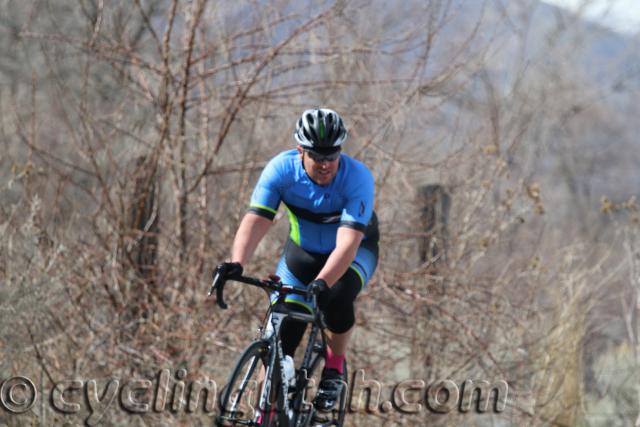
[240, 400]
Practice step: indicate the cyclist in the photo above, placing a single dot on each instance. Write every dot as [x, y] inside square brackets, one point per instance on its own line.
[333, 241]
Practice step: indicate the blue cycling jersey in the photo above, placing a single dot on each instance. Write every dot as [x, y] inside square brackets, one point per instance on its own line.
[315, 211]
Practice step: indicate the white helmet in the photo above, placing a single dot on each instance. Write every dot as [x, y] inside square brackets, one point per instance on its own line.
[320, 129]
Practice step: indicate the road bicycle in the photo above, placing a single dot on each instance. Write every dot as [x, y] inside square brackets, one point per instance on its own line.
[258, 392]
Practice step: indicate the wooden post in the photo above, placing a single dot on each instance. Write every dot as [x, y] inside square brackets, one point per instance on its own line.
[434, 203]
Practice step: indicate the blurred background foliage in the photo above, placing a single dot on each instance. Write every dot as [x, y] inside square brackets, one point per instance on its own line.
[502, 136]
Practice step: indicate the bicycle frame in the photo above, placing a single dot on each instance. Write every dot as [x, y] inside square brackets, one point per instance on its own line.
[289, 411]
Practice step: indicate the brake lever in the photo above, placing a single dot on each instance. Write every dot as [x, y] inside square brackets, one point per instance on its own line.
[212, 288]
[319, 313]
[218, 285]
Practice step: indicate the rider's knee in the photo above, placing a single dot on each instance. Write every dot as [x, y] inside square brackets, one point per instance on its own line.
[340, 317]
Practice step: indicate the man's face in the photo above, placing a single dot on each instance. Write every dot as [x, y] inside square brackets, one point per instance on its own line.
[321, 172]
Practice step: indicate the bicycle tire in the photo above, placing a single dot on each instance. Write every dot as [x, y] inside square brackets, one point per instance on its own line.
[239, 399]
[307, 394]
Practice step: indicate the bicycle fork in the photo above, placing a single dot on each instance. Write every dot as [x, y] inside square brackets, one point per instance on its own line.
[270, 332]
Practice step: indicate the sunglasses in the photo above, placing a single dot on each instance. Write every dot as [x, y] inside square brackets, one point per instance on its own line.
[322, 157]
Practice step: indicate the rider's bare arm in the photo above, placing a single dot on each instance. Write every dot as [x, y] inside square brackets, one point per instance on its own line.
[250, 232]
[347, 243]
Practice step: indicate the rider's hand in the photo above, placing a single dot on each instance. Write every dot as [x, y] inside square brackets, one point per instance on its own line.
[228, 270]
[320, 288]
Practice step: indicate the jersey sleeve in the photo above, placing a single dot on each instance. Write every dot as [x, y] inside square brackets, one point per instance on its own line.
[267, 192]
[359, 207]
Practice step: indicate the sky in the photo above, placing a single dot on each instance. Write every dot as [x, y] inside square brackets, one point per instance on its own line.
[620, 15]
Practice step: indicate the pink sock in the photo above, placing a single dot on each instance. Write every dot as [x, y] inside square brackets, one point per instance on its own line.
[259, 418]
[334, 361]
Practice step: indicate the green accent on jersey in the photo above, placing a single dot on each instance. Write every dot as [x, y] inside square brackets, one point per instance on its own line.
[295, 227]
[266, 208]
[321, 129]
[359, 275]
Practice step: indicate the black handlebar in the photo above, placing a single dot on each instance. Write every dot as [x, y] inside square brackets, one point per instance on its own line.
[267, 284]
